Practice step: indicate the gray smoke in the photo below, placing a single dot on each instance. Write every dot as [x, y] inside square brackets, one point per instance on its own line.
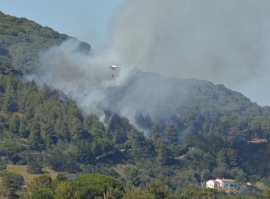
[84, 78]
[221, 41]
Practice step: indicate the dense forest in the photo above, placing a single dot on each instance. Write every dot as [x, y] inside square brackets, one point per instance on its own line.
[168, 154]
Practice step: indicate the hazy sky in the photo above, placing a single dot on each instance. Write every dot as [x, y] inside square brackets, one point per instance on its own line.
[221, 41]
[84, 19]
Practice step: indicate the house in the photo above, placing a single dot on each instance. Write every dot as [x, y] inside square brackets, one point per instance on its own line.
[212, 184]
[227, 183]
[222, 183]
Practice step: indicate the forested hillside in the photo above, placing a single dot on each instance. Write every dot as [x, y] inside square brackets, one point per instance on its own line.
[21, 40]
[201, 131]
[210, 110]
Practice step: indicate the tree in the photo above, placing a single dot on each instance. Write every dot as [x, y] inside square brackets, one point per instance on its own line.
[241, 178]
[61, 177]
[29, 112]
[217, 144]
[164, 154]
[137, 193]
[133, 177]
[35, 140]
[172, 133]
[42, 194]
[102, 146]
[220, 171]
[97, 128]
[64, 190]
[221, 157]
[227, 157]
[9, 102]
[136, 138]
[14, 124]
[23, 130]
[144, 122]
[76, 128]
[3, 164]
[34, 167]
[155, 129]
[61, 129]
[61, 162]
[94, 185]
[204, 193]
[87, 122]
[85, 152]
[205, 175]
[232, 157]
[47, 130]
[8, 185]
[158, 190]
[9, 149]
[40, 182]
[18, 179]
[266, 193]
[113, 193]
[208, 192]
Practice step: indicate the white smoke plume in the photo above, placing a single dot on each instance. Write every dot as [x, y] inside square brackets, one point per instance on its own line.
[221, 41]
[82, 77]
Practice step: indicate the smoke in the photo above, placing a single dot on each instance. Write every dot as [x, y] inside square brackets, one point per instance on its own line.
[221, 41]
[84, 78]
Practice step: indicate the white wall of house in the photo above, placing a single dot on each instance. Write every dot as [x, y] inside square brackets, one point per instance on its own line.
[212, 184]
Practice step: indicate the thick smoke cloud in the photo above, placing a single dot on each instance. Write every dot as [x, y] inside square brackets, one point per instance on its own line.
[81, 77]
[221, 41]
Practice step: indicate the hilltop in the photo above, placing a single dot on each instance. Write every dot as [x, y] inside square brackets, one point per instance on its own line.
[21, 40]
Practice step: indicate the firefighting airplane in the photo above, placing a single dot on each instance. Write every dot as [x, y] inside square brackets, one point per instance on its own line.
[115, 66]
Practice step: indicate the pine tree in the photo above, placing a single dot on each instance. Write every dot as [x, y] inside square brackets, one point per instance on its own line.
[232, 157]
[158, 190]
[172, 133]
[35, 140]
[164, 154]
[155, 129]
[14, 124]
[23, 130]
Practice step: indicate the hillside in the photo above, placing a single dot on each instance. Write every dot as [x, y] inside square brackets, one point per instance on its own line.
[21, 40]
[190, 103]
[207, 125]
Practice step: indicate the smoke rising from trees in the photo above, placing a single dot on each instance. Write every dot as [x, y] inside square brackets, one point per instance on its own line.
[221, 41]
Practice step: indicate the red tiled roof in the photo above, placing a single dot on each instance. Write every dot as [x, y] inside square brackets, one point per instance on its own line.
[226, 180]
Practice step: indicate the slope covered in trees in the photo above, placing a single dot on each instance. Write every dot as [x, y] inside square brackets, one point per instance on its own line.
[21, 40]
[212, 110]
[200, 131]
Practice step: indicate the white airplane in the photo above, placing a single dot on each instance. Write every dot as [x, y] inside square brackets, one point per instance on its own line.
[115, 66]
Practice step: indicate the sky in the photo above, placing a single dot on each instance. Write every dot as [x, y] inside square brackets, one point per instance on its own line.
[84, 19]
[221, 41]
